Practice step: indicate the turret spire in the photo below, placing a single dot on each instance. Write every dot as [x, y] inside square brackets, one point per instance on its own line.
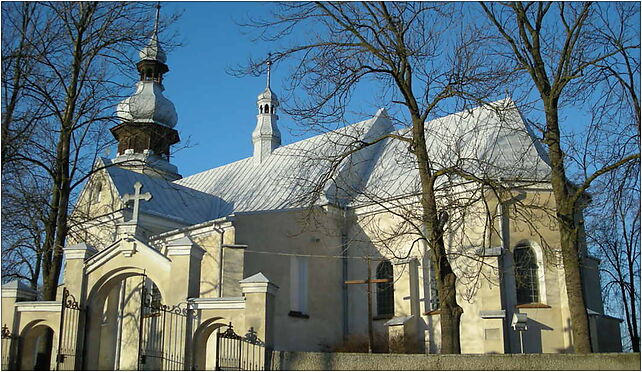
[266, 136]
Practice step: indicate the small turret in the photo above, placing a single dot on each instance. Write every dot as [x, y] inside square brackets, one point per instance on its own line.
[266, 136]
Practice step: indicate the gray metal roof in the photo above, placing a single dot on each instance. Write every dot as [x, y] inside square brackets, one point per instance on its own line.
[169, 200]
[286, 178]
[490, 141]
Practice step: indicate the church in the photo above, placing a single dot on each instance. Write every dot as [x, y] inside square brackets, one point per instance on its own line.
[308, 246]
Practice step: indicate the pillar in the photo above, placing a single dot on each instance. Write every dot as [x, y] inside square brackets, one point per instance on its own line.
[185, 274]
[12, 292]
[232, 266]
[74, 275]
[413, 326]
[185, 271]
[259, 295]
[130, 324]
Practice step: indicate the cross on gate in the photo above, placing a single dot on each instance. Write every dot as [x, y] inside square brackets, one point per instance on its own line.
[369, 282]
[136, 198]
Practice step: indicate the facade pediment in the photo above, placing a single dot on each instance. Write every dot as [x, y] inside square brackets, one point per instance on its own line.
[127, 248]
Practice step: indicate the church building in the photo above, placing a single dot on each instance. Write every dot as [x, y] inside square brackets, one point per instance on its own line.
[300, 247]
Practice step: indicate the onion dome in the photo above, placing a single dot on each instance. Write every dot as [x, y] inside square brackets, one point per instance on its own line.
[148, 105]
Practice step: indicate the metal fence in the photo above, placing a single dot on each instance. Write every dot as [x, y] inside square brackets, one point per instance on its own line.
[164, 333]
[240, 353]
[70, 335]
[7, 348]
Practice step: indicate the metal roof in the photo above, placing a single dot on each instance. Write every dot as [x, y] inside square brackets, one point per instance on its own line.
[169, 200]
[490, 141]
[287, 177]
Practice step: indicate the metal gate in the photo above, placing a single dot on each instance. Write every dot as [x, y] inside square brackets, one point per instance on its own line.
[164, 334]
[70, 336]
[8, 347]
[240, 353]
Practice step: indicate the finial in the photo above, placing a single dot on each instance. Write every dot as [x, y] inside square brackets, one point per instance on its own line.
[269, 63]
[158, 6]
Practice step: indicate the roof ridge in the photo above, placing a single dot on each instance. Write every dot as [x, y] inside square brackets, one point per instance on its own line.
[280, 148]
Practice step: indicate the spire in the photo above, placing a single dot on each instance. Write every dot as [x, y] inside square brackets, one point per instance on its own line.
[266, 136]
[158, 6]
[153, 51]
[269, 64]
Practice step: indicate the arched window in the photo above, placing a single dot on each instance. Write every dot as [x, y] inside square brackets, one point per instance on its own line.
[526, 280]
[260, 109]
[267, 109]
[385, 291]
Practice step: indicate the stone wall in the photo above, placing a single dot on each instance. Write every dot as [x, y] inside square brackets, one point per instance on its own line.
[550, 362]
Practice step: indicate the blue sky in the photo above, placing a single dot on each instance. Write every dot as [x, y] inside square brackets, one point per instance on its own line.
[217, 111]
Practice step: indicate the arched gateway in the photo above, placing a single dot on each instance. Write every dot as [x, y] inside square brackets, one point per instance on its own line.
[133, 306]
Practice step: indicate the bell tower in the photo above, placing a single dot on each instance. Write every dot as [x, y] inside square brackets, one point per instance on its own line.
[146, 131]
[266, 136]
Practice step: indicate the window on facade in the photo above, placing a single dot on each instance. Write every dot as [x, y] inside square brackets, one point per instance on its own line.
[298, 285]
[385, 291]
[526, 280]
[96, 193]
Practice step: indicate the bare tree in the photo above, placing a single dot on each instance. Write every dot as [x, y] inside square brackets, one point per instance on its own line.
[614, 234]
[554, 44]
[422, 61]
[70, 70]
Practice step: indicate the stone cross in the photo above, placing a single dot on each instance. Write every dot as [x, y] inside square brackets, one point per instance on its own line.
[136, 198]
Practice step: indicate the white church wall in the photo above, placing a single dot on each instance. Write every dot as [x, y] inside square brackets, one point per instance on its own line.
[281, 235]
[478, 286]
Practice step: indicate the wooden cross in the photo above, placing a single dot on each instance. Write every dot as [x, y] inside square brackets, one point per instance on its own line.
[136, 198]
[369, 282]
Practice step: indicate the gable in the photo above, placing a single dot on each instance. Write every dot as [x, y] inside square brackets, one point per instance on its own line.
[169, 200]
[489, 142]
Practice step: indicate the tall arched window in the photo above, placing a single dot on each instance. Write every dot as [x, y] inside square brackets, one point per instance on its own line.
[385, 291]
[526, 280]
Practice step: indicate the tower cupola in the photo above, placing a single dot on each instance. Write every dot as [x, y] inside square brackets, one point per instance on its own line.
[266, 136]
[147, 117]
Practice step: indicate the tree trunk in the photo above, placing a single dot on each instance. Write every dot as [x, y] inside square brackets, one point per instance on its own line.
[47, 247]
[450, 311]
[566, 208]
[633, 326]
[62, 179]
